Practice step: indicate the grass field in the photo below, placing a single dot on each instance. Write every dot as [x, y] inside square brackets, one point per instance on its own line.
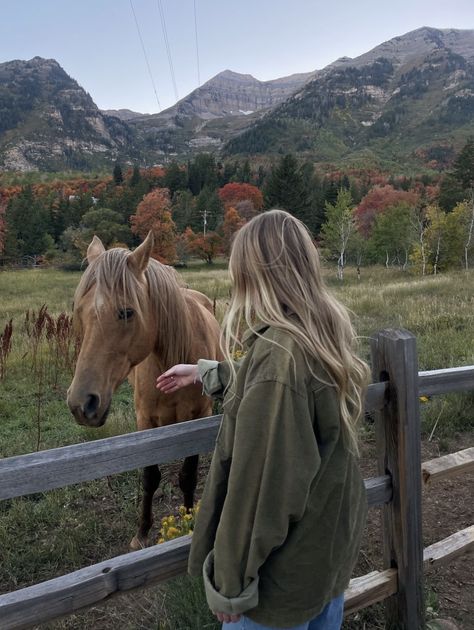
[42, 536]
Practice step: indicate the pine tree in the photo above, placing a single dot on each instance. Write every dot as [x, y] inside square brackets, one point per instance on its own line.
[287, 189]
[117, 174]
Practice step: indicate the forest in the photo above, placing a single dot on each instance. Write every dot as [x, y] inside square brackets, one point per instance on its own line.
[422, 223]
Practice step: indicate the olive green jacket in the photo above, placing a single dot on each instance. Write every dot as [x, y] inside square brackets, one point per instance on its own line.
[281, 516]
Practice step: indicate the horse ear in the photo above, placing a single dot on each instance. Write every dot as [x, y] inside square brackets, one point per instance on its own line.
[95, 249]
[138, 260]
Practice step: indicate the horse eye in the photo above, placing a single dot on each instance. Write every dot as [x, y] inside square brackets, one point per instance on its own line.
[125, 313]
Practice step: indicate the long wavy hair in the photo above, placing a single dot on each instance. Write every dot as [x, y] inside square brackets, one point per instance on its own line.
[276, 276]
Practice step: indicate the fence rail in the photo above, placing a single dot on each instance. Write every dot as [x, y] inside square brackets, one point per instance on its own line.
[395, 400]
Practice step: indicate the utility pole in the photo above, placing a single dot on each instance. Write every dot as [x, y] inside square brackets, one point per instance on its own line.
[204, 216]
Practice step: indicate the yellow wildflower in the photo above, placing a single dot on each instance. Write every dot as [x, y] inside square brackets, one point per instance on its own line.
[424, 399]
[173, 532]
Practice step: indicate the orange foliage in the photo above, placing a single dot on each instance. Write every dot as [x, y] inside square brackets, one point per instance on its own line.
[232, 224]
[230, 194]
[154, 214]
[205, 246]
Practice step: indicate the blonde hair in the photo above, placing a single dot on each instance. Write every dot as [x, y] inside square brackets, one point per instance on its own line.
[276, 276]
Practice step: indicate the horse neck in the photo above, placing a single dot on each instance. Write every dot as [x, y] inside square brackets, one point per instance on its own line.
[172, 324]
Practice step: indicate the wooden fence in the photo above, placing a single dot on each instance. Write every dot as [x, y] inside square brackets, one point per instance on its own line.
[393, 397]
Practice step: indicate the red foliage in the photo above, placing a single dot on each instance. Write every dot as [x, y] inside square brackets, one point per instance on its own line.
[154, 214]
[376, 201]
[205, 246]
[230, 194]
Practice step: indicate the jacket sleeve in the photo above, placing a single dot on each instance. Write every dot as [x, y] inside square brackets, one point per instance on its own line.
[215, 376]
[275, 458]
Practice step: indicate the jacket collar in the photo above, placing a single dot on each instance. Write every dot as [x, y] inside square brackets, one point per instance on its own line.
[251, 335]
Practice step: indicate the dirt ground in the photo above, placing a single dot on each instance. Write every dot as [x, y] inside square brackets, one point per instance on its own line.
[448, 506]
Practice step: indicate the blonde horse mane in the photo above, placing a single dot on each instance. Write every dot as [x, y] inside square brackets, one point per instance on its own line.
[117, 285]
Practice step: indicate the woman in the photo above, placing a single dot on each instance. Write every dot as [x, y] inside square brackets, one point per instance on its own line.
[280, 522]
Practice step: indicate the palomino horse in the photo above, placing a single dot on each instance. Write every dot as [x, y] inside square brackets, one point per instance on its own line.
[136, 320]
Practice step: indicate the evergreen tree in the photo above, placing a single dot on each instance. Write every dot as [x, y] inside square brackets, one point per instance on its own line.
[463, 168]
[136, 177]
[202, 172]
[287, 189]
[28, 225]
[175, 178]
[117, 174]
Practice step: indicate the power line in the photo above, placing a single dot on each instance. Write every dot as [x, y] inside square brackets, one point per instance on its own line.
[168, 50]
[197, 47]
[146, 56]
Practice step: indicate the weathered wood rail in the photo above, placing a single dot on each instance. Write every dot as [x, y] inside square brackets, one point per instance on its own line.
[393, 397]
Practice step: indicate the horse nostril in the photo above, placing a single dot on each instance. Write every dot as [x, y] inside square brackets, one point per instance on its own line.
[91, 406]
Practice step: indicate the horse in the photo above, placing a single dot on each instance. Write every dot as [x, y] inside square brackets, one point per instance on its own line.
[136, 320]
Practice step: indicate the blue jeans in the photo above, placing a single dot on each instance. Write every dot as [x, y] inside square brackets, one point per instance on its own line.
[330, 618]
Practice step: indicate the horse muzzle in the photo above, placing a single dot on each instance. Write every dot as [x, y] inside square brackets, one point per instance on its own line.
[89, 410]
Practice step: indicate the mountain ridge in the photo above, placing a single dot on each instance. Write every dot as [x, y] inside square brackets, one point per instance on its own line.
[406, 96]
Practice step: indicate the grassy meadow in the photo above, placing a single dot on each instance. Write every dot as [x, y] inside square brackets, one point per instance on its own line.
[45, 535]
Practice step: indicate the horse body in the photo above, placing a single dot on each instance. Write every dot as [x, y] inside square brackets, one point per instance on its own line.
[136, 321]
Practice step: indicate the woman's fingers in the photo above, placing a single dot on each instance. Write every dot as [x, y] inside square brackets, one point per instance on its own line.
[176, 377]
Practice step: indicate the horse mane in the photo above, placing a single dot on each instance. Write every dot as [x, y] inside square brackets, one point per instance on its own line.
[117, 285]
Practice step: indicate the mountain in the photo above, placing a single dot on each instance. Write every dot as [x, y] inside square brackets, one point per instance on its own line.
[123, 114]
[48, 121]
[410, 97]
[408, 101]
[215, 111]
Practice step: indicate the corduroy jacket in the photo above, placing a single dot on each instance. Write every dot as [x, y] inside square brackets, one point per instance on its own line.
[284, 505]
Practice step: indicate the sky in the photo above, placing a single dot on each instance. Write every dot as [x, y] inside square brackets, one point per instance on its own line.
[97, 41]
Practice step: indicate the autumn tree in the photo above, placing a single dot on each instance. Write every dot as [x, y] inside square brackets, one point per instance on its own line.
[154, 214]
[233, 193]
[205, 246]
[232, 224]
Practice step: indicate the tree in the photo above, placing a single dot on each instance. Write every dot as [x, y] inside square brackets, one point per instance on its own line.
[338, 228]
[117, 174]
[202, 173]
[175, 178]
[392, 235]
[377, 200]
[205, 246]
[290, 188]
[154, 214]
[135, 178]
[232, 193]
[107, 225]
[463, 167]
[232, 224]
[27, 225]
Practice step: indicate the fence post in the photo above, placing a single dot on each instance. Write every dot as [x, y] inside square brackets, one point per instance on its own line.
[394, 358]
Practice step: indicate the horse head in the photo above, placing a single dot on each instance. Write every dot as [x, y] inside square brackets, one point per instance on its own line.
[113, 316]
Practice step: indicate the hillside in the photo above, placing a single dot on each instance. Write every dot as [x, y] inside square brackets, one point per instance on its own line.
[410, 97]
[216, 111]
[409, 100]
[48, 121]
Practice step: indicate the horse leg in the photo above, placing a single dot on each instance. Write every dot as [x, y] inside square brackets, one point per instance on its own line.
[151, 481]
[188, 479]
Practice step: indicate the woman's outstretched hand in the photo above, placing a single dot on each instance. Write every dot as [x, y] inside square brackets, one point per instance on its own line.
[177, 377]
